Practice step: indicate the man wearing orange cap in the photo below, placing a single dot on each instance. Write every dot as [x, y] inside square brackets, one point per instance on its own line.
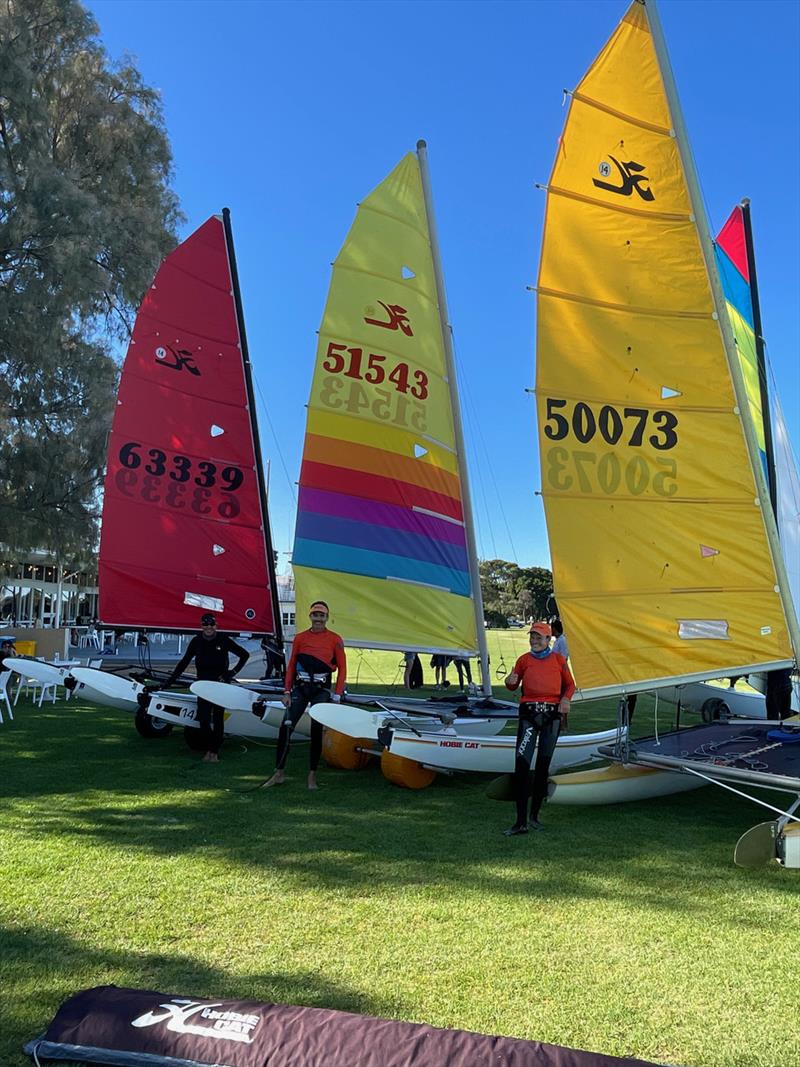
[547, 686]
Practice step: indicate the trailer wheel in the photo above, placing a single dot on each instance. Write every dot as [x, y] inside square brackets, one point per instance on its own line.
[714, 709]
[147, 726]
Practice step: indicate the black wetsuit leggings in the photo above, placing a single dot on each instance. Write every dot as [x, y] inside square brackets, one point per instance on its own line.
[542, 727]
[211, 718]
[303, 696]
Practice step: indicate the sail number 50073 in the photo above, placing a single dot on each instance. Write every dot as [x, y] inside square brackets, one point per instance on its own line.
[627, 427]
[586, 472]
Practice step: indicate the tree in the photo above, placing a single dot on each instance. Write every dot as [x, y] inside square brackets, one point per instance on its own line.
[86, 215]
[511, 590]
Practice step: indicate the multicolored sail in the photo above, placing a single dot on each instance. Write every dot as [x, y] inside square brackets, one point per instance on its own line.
[734, 271]
[184, 526]
[662, 564]
[380, 525]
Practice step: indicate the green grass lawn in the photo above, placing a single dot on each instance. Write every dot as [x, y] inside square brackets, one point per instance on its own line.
[625, 930]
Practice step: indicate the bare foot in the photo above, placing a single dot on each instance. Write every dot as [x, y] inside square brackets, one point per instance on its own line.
[312, 780]
[211, 757]
[277, 779]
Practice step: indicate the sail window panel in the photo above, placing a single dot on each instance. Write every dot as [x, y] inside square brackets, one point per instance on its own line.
[624, 357]
[619, 642]
[627, 168]
[624, 547]
[623, 260]
[373, 611]
[626, 76]
[180, 424]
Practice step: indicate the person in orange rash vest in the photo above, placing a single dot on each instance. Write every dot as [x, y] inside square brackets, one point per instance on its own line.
[547, 686]
[316, 654]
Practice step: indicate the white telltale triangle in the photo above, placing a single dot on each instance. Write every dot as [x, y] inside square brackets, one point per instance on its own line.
[218, 550]
[407, 273]
[667, 393]
[705, 551]
[216, 431]
[419, 451]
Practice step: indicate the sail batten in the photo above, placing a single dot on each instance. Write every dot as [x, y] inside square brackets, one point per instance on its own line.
[638, 402]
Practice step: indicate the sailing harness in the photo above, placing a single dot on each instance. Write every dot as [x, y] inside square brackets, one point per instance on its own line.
[538, 714]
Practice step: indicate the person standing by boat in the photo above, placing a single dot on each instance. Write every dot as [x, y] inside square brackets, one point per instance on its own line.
[560, 643]
[210, 651]
[547, 686]
[316, 654]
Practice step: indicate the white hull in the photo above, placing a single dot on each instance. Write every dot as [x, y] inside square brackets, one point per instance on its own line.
[237, 723]
[619, 784]
[740, 702]
[492, 756]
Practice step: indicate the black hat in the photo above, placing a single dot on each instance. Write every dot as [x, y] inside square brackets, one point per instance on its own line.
[208, 620]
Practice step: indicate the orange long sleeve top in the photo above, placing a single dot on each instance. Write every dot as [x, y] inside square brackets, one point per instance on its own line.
[545, 680]
[326, 646]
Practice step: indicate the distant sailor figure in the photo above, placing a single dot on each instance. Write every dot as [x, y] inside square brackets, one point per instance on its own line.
[547, 686]
[210, 651]
[560, 643]
[316, 654]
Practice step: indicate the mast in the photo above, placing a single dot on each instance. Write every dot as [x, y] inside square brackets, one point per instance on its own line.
[251, 403]
[444, 320]
[760, 355]
[729, 343]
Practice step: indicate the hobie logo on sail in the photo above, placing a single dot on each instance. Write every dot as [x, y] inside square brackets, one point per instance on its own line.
[631, 176]
[398, 318]
[220, 1025]
[176, 359]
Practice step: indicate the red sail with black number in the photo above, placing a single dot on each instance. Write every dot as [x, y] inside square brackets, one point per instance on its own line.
[185, 528]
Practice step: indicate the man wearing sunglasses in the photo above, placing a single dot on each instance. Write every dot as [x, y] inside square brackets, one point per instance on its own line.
[210, 651]
[316, 654]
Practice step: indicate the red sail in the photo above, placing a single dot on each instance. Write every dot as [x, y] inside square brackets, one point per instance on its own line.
[183, 529]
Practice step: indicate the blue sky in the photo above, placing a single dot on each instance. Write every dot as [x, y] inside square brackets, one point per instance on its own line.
[289, 113]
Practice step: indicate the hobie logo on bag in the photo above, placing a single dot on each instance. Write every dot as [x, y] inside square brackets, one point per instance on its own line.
[631, 177]
[207, 1021]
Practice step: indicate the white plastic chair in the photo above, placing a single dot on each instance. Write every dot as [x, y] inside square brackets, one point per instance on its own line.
[33, 686]
[4, 679]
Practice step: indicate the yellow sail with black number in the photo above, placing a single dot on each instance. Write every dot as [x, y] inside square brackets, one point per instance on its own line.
[380, 525]
[661, 560]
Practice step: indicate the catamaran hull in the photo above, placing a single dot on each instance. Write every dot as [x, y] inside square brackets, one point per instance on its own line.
[490, 756]
[619, 784]
[237, 723]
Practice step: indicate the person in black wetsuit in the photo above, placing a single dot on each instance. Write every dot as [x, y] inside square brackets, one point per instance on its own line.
[210, 651]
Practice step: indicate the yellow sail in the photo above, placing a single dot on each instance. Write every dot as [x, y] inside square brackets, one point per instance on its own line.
[380, 526]
[661, 562]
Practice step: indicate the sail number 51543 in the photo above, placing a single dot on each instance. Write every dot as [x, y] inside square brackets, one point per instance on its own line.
[372, 368]
[626, 427]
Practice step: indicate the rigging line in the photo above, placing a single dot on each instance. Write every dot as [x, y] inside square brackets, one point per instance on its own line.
[265, 410]
[480, 480]
[465, 390]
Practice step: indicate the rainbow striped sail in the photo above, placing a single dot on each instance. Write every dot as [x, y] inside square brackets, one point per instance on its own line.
[731, 253]
[380, 525]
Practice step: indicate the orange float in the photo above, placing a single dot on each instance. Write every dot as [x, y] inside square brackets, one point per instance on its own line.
[341, 751]
[405, 772]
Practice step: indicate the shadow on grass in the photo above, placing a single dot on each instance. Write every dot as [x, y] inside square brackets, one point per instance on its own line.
[83, 773]
[79, 967]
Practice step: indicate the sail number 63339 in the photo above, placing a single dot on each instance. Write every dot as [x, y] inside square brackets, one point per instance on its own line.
[627, 426]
